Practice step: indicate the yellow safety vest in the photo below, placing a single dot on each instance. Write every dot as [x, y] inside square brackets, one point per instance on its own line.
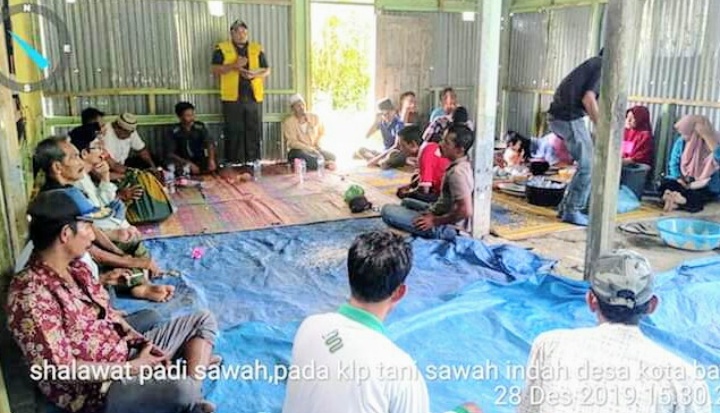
[230, 82]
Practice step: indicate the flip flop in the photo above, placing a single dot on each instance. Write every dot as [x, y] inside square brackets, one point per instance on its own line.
[639, 228]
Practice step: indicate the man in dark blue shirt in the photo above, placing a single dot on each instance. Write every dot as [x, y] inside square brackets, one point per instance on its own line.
[389, 124]
[189, 142]
[575, 98]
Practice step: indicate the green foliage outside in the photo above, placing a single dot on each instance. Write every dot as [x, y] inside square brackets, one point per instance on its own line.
[339, 65]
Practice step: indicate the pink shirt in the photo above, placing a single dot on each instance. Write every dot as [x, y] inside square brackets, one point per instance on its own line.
[561, 152]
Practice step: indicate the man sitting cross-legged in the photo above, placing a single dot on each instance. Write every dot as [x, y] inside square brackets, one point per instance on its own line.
[378, 263]
[303, 133]
[189, 143]
[61, 163]
[455, 204]
[426, 184]
[60, 317]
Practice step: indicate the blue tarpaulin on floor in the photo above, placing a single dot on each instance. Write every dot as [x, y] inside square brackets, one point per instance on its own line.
[468, 305]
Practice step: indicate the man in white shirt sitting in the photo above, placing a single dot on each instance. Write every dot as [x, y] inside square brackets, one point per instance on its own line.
[120, 139]
[87, 140]
[613, 367]
[358, 369]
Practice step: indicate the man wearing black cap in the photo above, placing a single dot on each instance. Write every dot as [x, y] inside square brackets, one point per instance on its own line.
[61, 319]
[242, 68]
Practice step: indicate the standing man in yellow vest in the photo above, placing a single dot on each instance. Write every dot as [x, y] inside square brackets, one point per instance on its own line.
[242, 68]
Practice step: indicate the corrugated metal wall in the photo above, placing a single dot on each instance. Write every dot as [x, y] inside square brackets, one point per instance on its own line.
[677, 56]
[544, 47]
[528, 54]
[454, 51]
[135, 44]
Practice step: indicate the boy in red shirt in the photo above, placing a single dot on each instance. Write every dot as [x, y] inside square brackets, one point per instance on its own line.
[427, 182]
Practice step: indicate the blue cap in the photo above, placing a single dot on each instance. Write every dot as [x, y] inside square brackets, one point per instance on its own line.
[64, 206]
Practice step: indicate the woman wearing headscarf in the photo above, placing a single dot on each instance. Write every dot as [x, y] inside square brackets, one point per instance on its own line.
[693, 179]
[637, 149]
[637, 146]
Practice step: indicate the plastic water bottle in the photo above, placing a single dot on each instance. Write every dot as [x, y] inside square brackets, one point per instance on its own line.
[257, 170]
[300, 166]
[170, 178]
[321, 166]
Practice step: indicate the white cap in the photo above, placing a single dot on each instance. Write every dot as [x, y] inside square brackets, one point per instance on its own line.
[295, 99]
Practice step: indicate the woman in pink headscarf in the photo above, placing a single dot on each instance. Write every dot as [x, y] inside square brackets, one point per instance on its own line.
[693, 179]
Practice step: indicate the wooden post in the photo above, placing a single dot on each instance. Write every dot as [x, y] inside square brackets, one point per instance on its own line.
[14, 204]
[617, 64]
[488, 41]
[505, 39]
[301, 49]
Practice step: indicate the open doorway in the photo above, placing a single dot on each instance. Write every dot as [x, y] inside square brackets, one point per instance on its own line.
[343, 72]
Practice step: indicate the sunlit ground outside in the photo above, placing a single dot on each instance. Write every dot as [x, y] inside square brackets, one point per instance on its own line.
[343, 72]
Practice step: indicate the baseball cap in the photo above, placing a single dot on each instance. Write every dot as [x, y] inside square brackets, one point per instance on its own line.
[622, 278]
[65, 205]
[238, 23]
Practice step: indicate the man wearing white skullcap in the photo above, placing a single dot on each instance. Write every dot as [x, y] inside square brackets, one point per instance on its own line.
[303, 133]
[122, 138]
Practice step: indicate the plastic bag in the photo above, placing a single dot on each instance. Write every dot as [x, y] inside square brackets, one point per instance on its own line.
[627, 200]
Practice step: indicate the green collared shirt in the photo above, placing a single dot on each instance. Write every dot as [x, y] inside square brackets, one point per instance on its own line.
[363, 317]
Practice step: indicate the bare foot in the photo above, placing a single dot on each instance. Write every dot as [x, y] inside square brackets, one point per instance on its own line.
[669, 199]
[215, 360]
[205, 407]
[150, 292]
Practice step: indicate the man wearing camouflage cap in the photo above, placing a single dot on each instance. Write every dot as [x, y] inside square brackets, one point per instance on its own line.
[612, 367]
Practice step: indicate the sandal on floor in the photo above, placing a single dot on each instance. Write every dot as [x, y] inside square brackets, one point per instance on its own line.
[639, 228]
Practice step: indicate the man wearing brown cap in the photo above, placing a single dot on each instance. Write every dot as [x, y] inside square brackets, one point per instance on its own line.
[612, 367]
[242, 68]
